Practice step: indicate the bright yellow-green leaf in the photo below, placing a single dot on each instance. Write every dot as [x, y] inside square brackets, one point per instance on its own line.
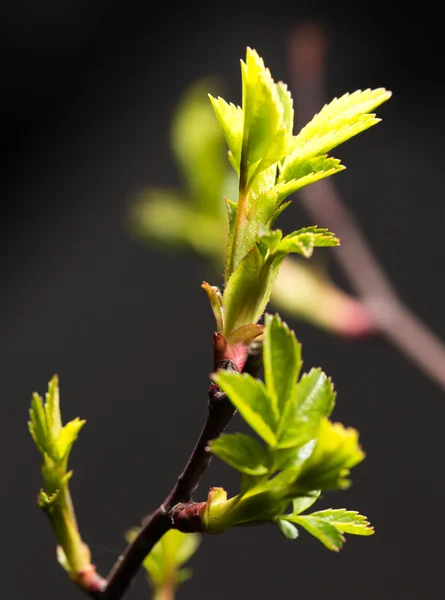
[337, 122]
[241, 452]
[336, 452]
[266, 138]
[313, 399]
[326, 533]
[346, 521]
[250, 398]
[231, 119]
[282, 360]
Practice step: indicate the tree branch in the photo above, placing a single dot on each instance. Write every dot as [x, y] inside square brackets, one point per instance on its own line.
[355, 256]
[156, 525]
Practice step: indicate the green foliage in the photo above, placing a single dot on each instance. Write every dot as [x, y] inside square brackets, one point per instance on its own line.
[302, 453]
[329, 525]
[242, 452]
[271, 164]
[55, 442]
[164, 565]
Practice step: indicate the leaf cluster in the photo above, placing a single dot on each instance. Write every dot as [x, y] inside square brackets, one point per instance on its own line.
[297, 452]
[272, 164]
[53, 440]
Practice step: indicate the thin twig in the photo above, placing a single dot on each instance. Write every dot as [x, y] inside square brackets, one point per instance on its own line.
[220, 412]
[355, 256]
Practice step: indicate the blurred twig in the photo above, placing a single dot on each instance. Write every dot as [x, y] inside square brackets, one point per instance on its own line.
[322, 201]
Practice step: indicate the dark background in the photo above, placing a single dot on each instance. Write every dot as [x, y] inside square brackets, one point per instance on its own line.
[88, 89]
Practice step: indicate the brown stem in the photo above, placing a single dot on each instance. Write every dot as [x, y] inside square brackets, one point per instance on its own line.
[355, 256]
[156, 525]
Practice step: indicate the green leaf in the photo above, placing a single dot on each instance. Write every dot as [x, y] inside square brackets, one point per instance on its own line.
[216, 303]
[68, 436]
[241, 452]
[198, 146]
[293, 457]
[296, 173]
[287, 529]
[313, 399]
[167, 556]
[305, 240]
[287, 104]
[37, 423]
[52, 409]
[336, 452]
[337, 122]
[249, 397]
[248, 290]
[266, 139]
[346, 521]
[302, 503]
[326, 533]
[231, 119]
[282, 360]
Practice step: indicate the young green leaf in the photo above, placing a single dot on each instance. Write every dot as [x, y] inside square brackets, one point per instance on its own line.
[287, 529]
[231, 119]
[297, 173]
[164, 563]
[328, 534]
[266, 138]
[216, 303]
[336, 452]
[241, 452]
[288, 106]
[337, 122]
[302, 503]
[305, 240]
[312, 400]
[249, 397]
[346, 521]
[282, 360]
[248, 290]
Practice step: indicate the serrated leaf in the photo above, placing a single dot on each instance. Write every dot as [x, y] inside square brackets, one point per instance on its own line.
[313, 399]
[287, 104]
[282, 360]
[266, 139]
[293, 457]
[287, 529]
[198, 146]
[52, 409]
[231, 119]
[231, 213]
[302, 503]
[337, 122]
[298, 172]
[336, 452]
[346, 521]
[305, 240]
[326, 533]
[68, 436]
[250, 398]
[248, 290]
[241, 452]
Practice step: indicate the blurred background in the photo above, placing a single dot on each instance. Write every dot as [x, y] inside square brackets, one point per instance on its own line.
[89, 90]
